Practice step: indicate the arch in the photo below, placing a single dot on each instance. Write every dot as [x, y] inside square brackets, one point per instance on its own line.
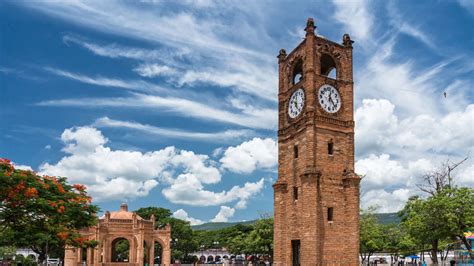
[210, 258]
[218, 258]
[202, 259]
[121, 249]
[297, 74]
[328, 66]
[158, 248]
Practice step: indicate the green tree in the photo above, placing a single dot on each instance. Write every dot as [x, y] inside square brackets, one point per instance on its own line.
[445, 215]
[260, 238]
[422, 220]
[458, 216]
[42, 212]
[371, 235]
[396, 241]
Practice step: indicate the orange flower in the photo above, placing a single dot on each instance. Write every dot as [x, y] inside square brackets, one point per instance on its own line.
[60, 188]
[31, 192]
[79, 187]
[61, 209]
[20, 186]
[4, 161]
[63, 235]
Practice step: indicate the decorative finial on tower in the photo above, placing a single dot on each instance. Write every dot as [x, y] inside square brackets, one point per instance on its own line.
[124, 207]
[310, 27]
[281, 55]
[346, 40]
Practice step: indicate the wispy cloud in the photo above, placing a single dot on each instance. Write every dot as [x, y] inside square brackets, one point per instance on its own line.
[137, 85]
[356, 18]
[154, 70]
[222, 136]
[168, 55]
[401, 24]
[239, 73]
[257, 118]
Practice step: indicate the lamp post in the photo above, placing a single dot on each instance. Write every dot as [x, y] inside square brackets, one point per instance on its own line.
[202, 253]
[173, 242]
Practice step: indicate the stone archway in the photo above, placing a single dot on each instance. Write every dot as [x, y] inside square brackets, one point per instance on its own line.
[131, 229]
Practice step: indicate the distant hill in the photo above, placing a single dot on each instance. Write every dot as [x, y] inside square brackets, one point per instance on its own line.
[384, 218]
[388, 218]
[217, 226]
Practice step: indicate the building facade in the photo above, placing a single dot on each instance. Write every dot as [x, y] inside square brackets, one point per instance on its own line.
[122, 228]
[316, 196]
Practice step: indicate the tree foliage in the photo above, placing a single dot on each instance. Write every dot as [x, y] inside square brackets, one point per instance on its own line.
[42, 212]
[251, 239]
[371, 235]
[440, 219]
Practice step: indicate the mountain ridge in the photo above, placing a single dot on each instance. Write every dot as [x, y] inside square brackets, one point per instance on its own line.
[384, 218]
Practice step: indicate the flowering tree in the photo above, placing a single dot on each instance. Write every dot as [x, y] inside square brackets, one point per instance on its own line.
[42, 212]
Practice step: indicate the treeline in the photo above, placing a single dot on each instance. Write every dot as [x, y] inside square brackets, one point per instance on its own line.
[435, 223]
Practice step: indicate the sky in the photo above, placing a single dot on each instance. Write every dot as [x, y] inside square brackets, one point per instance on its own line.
[174, 103]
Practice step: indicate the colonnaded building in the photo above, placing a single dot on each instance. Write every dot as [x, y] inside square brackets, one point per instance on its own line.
[120, 229]
[317, 193]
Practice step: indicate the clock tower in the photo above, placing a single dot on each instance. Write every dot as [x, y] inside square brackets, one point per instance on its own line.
[317, 193]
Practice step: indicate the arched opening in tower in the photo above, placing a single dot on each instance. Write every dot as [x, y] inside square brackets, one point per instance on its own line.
[298, 72]
[328, 66]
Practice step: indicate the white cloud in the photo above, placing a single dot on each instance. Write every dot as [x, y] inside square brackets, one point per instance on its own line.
[108, 174]
[22, 167]
[375, 125]
[356, 18]
[224, 214]
[223, 136]
[183, 215]
[379, 129]
[47, 147]
[154, 70]
[250, 155]
[82, 140]
[386, 201]
[383, 172]
[465, 177]
[120, 174]
[188, 189]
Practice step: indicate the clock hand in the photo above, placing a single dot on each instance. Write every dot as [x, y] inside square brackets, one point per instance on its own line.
[330, 99]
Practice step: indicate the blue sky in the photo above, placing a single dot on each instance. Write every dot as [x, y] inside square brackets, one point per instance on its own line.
[173, 104]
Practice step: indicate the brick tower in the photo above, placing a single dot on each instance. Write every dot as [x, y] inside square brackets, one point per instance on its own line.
[317, 192]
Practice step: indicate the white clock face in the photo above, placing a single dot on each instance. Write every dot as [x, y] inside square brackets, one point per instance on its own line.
[296, 104]
[329, 98]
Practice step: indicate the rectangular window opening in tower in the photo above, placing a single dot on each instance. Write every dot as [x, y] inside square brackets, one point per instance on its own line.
[330, 148]
[295, 193]
[330, 214]
[295, 151]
